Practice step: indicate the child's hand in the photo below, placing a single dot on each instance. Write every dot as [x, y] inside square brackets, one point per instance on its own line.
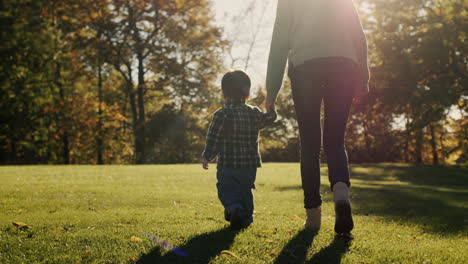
[205, 164]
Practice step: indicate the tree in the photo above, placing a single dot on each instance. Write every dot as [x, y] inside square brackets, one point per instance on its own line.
[24, 82]
[170, 46]
[417, 61]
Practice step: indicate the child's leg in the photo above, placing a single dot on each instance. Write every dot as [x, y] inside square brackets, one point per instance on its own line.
[229, 191]
[247, 178]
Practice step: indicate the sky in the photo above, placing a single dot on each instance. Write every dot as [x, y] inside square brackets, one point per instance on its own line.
[243, 31]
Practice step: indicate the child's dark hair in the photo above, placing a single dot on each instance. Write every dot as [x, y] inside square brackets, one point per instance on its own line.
[236, 85]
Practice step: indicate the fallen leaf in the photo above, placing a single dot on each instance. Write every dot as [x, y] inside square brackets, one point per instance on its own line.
[57, 231]
[136, 239]
[273, 252]
[227, 252]
[269, 241]
[21, 225]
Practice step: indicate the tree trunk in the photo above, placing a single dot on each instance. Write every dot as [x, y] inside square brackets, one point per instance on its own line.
[435, 155]
[442, 146]
[141, 135]
[133, 107]
[66, 149]
[12, 153]
[367, 141]
[64, 136]
[130, 95]
[419, 145]
[99, 139]
[407, 141]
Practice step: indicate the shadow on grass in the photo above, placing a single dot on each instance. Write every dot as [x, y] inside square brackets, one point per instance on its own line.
[432, 200]
[433, 211]
[435, 198]
[332, 253]
[199, 249]
[296, 249]
[440, 176]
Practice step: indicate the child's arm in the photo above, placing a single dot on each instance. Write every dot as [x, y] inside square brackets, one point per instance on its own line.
[266, 119]
[212, 138]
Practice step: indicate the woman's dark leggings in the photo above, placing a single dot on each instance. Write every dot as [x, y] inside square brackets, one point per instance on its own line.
[332, 80]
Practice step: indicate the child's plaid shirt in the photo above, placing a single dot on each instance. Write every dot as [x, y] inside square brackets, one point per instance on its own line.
[233, 135]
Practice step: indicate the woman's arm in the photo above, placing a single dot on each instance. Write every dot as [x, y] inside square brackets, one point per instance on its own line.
[360, 45]
[278, 51]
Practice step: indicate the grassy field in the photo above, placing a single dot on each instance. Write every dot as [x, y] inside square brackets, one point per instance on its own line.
[88, 214]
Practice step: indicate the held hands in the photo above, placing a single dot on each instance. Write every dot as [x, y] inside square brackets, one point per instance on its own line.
[359, 97]
[205, 163]
[361, 93]
[269, 105]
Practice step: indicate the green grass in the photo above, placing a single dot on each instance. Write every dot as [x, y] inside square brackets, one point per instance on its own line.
[87, 214]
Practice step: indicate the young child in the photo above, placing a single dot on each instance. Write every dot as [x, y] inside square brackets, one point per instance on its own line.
[233, 137]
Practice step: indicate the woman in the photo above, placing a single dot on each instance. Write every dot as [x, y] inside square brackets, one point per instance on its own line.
[325, 46]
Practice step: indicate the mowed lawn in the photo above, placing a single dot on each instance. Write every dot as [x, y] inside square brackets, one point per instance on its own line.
[88, 214]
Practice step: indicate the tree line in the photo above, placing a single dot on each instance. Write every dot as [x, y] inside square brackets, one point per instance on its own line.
[135, 82]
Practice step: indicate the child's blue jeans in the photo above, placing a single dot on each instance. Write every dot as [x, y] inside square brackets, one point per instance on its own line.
[235, 190]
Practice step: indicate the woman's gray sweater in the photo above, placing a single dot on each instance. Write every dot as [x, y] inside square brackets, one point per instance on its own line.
[308, 29]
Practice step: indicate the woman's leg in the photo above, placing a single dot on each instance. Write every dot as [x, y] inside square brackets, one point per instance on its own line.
[338, 97]
[306, 84]
[337, 101]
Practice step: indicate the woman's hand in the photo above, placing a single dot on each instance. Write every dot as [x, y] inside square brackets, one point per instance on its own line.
[361, 94]
[269, 105]
[359, 97]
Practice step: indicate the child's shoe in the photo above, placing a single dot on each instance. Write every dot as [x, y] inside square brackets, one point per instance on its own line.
[236, 219]
[247, 221]
[314, 218]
